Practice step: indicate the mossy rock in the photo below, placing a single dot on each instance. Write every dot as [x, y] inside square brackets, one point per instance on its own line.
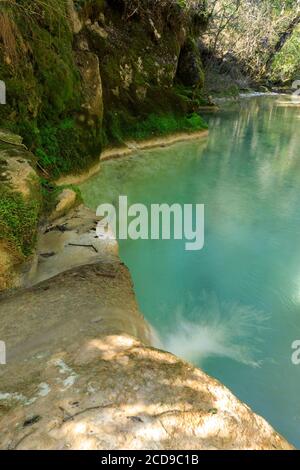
[20, 206]
[43, 60]
[139, 68]
[45, 87]
[190, 68]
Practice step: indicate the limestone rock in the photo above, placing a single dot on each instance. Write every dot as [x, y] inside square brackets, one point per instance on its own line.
[8, 274]
[73, 17]
[88, 64]
[69, 242]
[17, 165]
[21, 176]
[10, 138]
[66, 201]
[80, 375]
[97, 29]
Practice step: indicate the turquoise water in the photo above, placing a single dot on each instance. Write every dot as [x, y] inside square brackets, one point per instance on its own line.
[234, 307]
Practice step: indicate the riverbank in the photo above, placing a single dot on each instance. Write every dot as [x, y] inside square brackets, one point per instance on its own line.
[129, 148]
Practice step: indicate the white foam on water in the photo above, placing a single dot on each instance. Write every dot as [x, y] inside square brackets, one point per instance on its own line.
[254, 94]
[219, 329]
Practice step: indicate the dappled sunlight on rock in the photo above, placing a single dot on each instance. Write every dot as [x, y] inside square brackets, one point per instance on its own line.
[152, 400]
[106, 348]
[158, 355]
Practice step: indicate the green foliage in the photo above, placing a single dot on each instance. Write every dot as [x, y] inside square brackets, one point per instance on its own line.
[286, 66]
[192, 96]
[18, 221]
[162, 125]
[53, 151]
[64, 147]
[154, 125]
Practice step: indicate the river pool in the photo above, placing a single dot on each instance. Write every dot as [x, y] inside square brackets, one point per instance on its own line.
[232, 308]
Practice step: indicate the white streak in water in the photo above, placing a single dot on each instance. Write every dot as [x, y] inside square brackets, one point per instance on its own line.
[219, 329]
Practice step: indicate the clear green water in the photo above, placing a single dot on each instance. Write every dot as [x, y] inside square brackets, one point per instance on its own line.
[234, 307]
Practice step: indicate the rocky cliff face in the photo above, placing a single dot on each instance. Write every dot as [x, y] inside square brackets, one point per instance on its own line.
[67, 64]
[145, 62]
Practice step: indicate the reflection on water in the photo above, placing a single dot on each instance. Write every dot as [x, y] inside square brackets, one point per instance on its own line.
[236, 303]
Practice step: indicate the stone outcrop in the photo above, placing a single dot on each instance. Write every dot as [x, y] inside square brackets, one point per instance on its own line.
[73, 17]
[139, 44]
[78, 377]
[92, 106]
[66, 200]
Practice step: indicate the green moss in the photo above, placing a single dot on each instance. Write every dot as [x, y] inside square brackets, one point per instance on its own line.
[18, 221]
[44, 89]
[65, 147]
[44, 81]
[163, 125]
[194, 97]
[154, 125]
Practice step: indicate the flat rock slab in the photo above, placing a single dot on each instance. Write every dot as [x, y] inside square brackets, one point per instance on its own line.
[69, 242]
